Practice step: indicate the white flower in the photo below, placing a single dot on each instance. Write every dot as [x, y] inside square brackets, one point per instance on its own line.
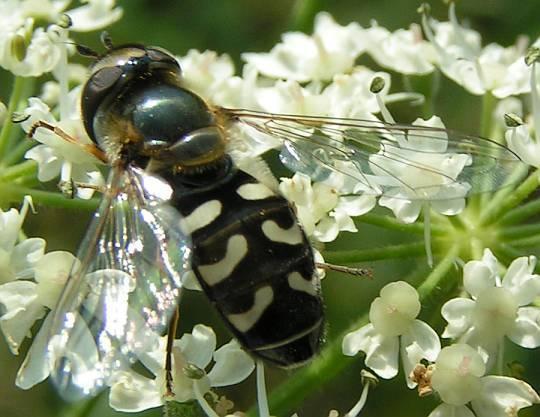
[17, 260]
[51, 274]
[206, 73]
[501, 71]
[322, 212]
[57, 157]
[27, 50]
[393, 328]
[38, 56]
[410, 184]
[132, 392]
[331, 50]
[95, 15]
[26, 302]
[458, 377]
[348, 95]
[403, 51]
[520, 141]
[494, 300]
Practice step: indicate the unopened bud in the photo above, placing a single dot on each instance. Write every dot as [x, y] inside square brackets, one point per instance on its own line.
[65, 21]
[193, 371]
[18, 117]
[18, 47]
[533, 54]
[512, 120]
[424, 8]
[377, 85]
[368, 378]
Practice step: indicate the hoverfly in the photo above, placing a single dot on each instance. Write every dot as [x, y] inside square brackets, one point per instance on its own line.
[175, 202]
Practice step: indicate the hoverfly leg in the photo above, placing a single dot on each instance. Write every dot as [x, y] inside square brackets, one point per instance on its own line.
[90, 148]
[69, 188]
[359, 272]
[171, 335]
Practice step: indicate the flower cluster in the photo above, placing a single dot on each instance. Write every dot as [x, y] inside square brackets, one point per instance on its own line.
[327, 118]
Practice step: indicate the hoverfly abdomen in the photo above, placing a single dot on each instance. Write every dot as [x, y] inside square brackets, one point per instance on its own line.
[255, 264]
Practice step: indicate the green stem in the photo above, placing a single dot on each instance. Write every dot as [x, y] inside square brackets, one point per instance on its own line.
[516, 232]
[404, 250]
[27, 168]
[16, 95]
[11, 193]
[303, 14]
[16, 154]
[394, 224]
[532, 241]
[506, 252]
[523, 212]
[486, 123]
[331, 361]
[506, 199]
[80, 408]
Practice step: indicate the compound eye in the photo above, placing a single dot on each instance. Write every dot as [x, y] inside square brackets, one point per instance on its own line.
[95, 90]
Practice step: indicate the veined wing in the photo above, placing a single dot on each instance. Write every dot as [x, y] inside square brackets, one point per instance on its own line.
[120, 298]
[372, 157]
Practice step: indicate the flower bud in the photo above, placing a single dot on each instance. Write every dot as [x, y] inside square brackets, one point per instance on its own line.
[377, 85]
[193, 371]
[512, 120]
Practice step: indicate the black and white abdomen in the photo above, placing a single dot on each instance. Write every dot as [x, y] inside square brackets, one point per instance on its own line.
[256, 265]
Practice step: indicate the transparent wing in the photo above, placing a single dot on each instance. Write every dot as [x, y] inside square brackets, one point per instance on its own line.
[372, 157]
[119, 299]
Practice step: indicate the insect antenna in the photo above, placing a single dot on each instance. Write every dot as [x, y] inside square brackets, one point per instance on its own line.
[359, 272]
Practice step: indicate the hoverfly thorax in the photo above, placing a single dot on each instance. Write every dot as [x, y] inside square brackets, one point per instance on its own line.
[136, 110]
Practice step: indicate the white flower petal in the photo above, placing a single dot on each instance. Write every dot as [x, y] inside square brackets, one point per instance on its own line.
[331, 50]
[503, 397]
[94, 15]
[49, 161]
[131, 392]
[326, 230]
[198, 346]
[395, 310]
[51, 274]
[420, 342]
[478, 277]
[22, 310]
[25, 256]
[204, 72]
[35, 367]
[405, 210]
[522, 283]
[520, 142]
[447, 410]
[356, 206]
[458, 313]
[381, 352]
[232, 366]
[403, 51]
[425, 337]
[358, 340]
[457, 373]
[526, 331]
